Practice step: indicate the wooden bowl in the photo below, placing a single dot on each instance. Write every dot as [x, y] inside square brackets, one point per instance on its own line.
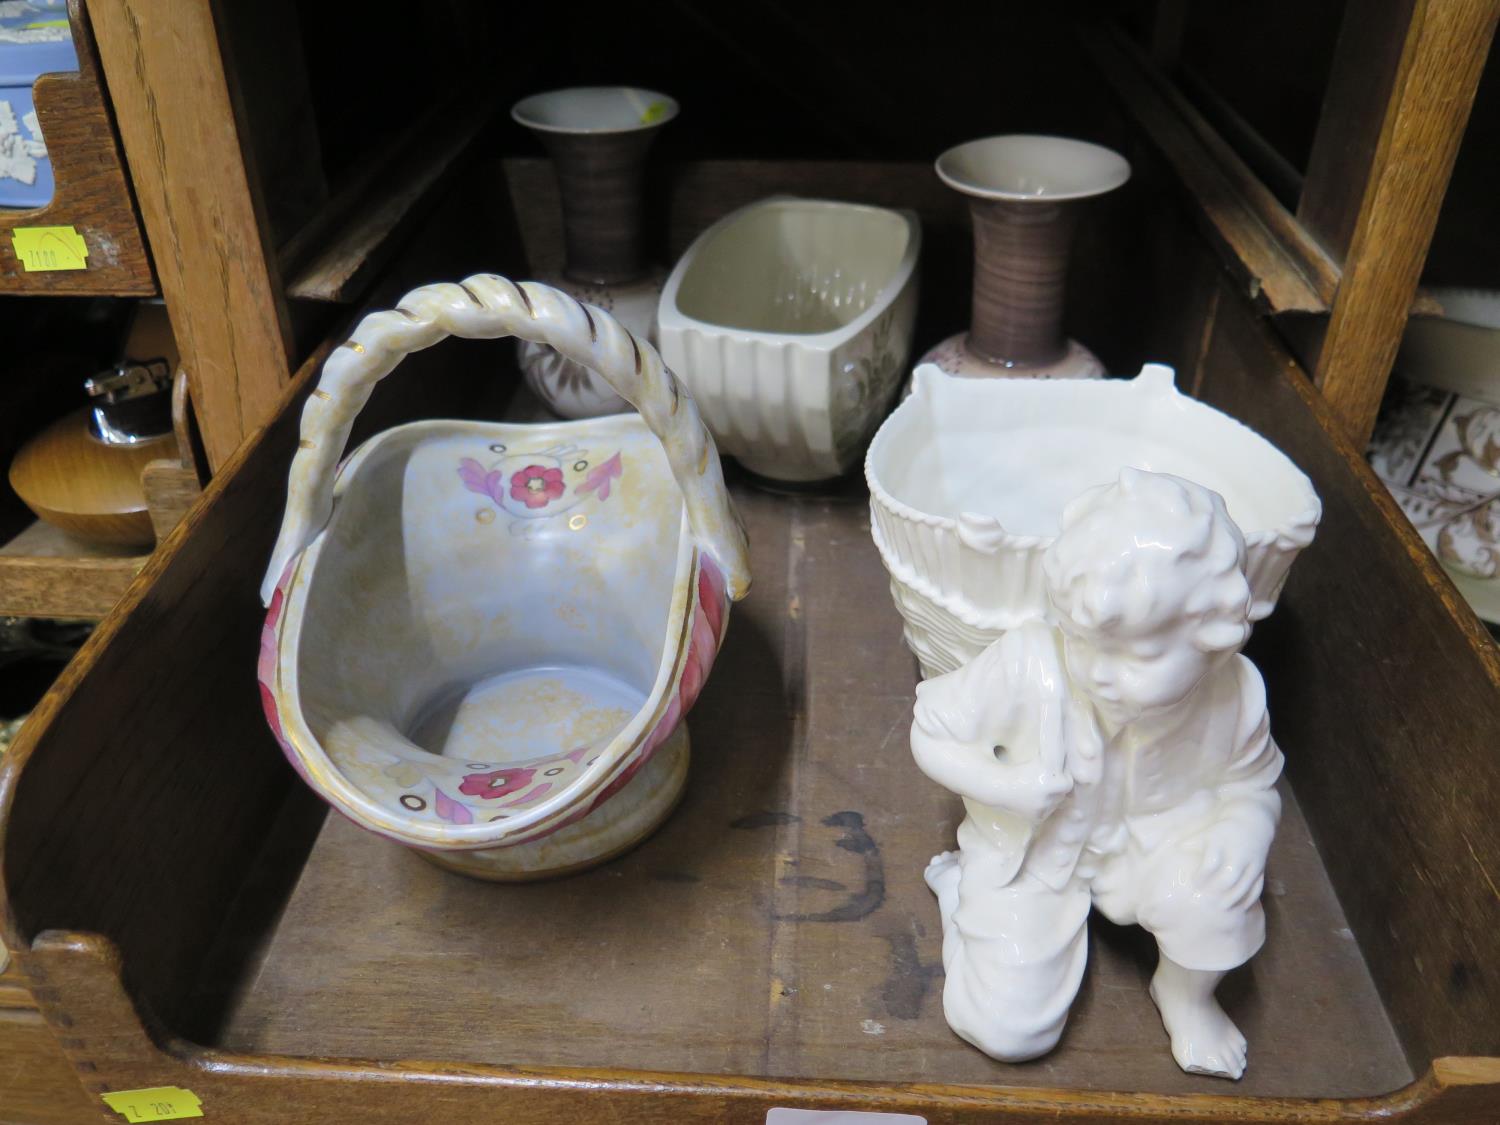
[85, 487]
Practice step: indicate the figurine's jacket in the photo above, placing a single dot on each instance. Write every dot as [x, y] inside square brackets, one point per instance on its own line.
[1156, 777]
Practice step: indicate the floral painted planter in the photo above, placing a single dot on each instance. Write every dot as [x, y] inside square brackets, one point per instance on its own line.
[479, 634]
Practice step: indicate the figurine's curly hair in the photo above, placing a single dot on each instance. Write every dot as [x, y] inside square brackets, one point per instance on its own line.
[1147, 549]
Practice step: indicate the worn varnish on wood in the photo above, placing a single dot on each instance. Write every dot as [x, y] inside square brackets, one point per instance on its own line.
[37, 1086]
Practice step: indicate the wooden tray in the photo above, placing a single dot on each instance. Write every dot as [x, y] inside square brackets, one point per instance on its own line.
[185, 916]
[778, 924]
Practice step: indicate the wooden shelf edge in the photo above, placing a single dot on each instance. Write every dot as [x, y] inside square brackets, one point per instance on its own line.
[45, 573]
[334, 257]
[1282, 269]
[61, 587]
[106, 1030]
[1194, 149]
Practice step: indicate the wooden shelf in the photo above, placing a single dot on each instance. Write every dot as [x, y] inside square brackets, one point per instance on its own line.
[290, 965]
[787, 890]
[93, 191]
[47, 573]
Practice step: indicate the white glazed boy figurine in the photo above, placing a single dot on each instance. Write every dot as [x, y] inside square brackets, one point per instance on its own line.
[1118, 755]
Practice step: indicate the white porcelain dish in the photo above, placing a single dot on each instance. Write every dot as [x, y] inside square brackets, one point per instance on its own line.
[968, 479]
[1458, 351]
[790, 320]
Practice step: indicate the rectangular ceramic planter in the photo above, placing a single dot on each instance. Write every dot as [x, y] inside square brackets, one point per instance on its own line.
[790, 320]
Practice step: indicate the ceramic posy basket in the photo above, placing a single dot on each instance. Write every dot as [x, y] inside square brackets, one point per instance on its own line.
[478, 633]
[791, 320]
[969, 477]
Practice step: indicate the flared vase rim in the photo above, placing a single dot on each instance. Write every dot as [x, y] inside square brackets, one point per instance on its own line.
[524, 111]
[1114, 170]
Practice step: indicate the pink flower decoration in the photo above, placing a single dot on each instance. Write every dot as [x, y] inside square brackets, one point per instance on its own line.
[537, 486]
[278, 596]
[273, 717]
[265, 673]
[600, 477]
[496, 783]
[528, 798]
[451, 811]
[621, 780]
[711, 594]
[701, 652]
[665, 727]
[476, 479]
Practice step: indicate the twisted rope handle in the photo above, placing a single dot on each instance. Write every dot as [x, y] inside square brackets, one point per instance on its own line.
[485, 307]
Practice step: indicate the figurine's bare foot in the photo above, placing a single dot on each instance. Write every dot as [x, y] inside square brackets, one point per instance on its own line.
[1204, 1039]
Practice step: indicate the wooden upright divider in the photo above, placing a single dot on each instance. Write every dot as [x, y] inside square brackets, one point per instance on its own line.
[218, 273]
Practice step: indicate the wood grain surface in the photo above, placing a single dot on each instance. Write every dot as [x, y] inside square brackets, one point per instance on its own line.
[13, 991]
[93, 192]
[217, 268]
[37, 1085]
[170, 491]
[1365, 65]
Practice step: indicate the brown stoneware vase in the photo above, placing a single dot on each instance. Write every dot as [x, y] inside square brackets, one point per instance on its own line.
[1024, 193]
[598, 137]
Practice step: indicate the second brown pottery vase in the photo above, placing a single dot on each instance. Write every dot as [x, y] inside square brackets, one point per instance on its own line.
[1024, 193]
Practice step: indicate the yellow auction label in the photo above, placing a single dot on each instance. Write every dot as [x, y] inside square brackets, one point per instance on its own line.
[159, 1103]
[42, 249]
